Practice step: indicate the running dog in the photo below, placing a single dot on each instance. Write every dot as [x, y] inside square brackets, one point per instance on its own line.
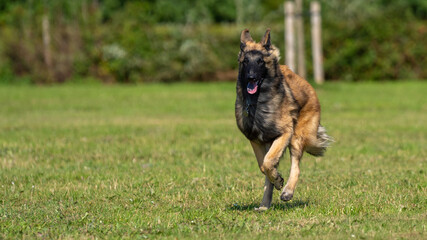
[275, 109]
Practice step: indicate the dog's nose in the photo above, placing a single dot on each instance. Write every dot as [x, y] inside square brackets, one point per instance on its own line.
[251, 77]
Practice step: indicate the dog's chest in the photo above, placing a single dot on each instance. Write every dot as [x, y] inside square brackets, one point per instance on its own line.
[258, 121]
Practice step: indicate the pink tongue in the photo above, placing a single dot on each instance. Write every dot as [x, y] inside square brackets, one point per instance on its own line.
[252, 87]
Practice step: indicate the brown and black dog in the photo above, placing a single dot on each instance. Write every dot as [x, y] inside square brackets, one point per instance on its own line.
[275, 109]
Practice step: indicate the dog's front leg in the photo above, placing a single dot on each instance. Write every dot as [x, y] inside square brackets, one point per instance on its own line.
[268, 195]
[271, 160]
[260, 150]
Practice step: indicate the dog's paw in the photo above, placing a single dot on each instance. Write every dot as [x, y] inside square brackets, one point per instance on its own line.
[286, 195]
[261, 209]
[278, 183]
[262, 169]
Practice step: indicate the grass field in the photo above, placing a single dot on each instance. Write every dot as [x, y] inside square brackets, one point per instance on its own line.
[167, 161]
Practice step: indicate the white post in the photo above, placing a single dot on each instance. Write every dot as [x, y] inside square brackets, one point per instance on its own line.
[316, 37]
[289, 35]
[239, 12]
[46, 42]
[300, 38]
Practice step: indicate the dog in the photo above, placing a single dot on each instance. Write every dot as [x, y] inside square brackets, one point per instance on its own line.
[275, 109]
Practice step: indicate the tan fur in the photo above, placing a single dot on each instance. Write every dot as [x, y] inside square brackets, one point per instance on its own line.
[298, 119]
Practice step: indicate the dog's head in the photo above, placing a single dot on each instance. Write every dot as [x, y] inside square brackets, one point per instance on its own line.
[257, 61]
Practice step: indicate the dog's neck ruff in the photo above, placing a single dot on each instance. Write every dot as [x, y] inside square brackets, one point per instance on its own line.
[251, 102]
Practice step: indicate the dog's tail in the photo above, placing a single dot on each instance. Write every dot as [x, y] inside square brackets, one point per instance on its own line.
[323, 141]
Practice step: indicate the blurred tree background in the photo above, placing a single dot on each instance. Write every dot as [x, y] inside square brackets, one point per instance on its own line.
[48, 41]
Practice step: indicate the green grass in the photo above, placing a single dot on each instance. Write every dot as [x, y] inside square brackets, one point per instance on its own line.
[168, 161]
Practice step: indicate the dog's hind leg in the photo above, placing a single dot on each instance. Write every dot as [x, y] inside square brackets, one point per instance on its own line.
[260, 150]
[305, 130]
[296, 152]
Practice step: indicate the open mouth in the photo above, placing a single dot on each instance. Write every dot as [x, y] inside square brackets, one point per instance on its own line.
[252, 87]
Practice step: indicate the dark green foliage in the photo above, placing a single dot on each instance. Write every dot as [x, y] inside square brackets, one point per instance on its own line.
[168, 40]
[376, 50]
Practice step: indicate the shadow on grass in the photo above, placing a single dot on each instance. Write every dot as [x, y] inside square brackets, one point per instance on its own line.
[275, 206]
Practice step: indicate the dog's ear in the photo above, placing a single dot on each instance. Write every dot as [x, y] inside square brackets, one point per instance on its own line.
[266, 42]
[244, 38]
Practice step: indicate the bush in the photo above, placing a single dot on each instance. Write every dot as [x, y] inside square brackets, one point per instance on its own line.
[164, 41]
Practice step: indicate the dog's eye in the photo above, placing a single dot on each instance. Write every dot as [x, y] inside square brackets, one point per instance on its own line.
[245, 61]
[260, 61]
